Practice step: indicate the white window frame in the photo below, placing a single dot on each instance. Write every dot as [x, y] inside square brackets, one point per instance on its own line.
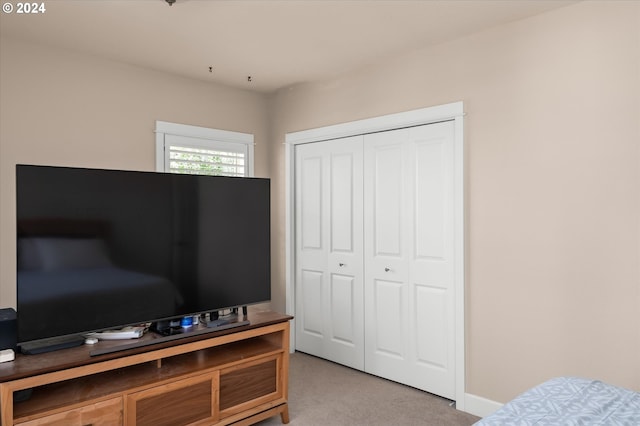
[203, 137]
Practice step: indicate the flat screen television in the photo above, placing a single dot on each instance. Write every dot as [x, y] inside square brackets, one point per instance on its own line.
[102, 249]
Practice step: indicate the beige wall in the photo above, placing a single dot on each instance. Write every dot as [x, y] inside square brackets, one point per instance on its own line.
[552, 138]
[553, 186]
[63, 108]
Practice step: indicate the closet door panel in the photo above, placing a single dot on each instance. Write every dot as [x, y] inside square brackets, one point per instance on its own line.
[329, 210]
[386, 255]
[311, 243]
[375, 254]
[345, 308]
[419, 222]
[432, 260]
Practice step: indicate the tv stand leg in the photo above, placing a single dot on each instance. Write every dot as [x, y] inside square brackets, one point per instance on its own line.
[214, 315]
[244, 311]
[284, 414]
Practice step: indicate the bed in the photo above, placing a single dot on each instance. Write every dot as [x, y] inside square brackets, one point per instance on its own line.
[570, 401]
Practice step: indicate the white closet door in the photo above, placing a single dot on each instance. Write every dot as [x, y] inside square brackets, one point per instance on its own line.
[409, 257]
[329, 257]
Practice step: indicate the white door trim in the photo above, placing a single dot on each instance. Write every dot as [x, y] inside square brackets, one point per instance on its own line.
[453, 111]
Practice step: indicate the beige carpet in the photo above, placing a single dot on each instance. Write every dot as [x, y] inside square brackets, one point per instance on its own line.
[328, 394]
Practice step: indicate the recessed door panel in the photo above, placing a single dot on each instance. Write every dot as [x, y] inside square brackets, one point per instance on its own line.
[311, 203]
[430, 197]
[431, 326]
[342, 203]
[311, 293]
[387, 200]
[389, 299]
[342, 309]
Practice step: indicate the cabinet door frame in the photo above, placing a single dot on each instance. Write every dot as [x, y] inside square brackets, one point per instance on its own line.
[211, 378]
[447, 112]
[244, 406]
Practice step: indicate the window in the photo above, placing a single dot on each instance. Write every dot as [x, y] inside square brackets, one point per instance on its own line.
[191, 160]
[199, 150]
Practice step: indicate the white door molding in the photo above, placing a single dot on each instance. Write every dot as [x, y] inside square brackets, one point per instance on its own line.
[448, 112]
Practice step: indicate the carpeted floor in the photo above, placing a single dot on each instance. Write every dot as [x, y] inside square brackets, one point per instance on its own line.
[328, 394]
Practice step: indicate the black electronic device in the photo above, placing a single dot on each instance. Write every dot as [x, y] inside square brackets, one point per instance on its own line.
[8, 329]
[101, 249]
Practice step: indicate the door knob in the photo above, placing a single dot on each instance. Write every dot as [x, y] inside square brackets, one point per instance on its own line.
[387, 269]
[340, 264]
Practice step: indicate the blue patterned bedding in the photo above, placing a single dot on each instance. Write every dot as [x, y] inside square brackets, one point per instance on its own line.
[569, 401]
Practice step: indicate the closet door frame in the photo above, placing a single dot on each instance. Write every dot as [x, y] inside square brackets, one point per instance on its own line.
[447, 112]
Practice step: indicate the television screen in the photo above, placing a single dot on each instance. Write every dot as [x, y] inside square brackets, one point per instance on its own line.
[101, 249]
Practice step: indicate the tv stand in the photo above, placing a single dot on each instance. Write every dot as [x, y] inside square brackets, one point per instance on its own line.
[234, 376]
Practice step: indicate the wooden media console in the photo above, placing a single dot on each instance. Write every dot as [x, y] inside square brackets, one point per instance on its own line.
[235, 376]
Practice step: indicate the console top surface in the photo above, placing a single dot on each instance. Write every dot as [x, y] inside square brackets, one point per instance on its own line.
[32, 365]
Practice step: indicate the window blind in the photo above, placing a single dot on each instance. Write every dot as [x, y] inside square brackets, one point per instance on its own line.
[191, 160]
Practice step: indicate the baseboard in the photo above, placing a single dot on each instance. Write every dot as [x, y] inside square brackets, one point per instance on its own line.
[479, 406]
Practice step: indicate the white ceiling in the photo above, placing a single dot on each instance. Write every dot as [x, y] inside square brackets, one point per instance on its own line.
[277, 42]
